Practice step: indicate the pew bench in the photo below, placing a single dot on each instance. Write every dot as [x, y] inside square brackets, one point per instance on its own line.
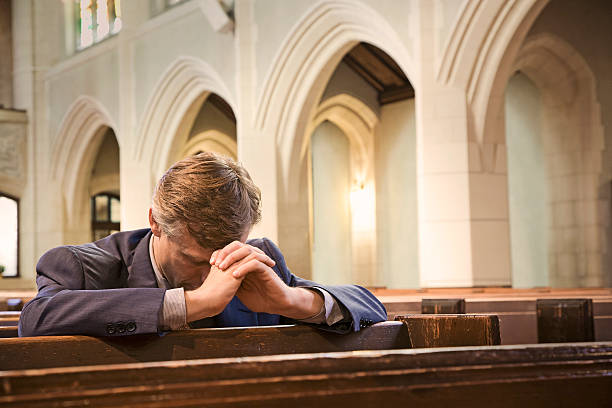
[518, 317]
[414, 331]
[569, 375]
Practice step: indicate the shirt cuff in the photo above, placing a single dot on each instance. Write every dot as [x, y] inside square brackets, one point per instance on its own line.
[174, 313]
[330, 312]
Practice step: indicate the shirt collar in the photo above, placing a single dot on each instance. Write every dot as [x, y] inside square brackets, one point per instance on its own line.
[162, 282]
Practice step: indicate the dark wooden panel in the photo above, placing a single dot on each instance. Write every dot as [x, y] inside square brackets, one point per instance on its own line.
[443, 306]
[565, 320]
[451, 330]
[34, 352]
[375, 66]
[222, 106]
[8, 303]
[369, 77]
[380, 71]
[396, 94]
[8, 331]
[9, 318]
[519, 376]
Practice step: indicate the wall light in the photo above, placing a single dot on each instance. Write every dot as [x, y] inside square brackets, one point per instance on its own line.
[363, 208]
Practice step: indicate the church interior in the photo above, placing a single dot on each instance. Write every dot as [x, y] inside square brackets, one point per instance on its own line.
[452, 156]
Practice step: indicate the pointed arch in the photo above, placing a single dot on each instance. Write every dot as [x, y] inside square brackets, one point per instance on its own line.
[178, 95]
[573, 140]
[81, 132]
[357, 121]
[214, 141]
[296, 81]
[489, 72]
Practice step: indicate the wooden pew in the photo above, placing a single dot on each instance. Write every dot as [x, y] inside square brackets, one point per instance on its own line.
[515, 308]
[451, 330]
[565, 320]
[569, 375]
[9, 318]
[8, 331]
[34, 352]
[443, 306]
[13, 300]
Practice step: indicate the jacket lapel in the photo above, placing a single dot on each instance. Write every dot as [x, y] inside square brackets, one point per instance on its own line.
[140, 272]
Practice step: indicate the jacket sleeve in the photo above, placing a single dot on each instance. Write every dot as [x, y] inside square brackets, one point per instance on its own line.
[63, 306]
[360, 307]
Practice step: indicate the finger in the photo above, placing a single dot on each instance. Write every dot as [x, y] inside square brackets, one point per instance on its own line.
[255, 249]
[212, 257]
[261, 257]
[229, 248]
[235, 256]
[253, 265]
[268, 261]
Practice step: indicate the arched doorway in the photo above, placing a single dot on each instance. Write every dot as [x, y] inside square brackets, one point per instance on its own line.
[361, 151]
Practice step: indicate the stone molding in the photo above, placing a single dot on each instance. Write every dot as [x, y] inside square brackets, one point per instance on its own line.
[186, 81]
[73, 152]
[489, 72]
[211, 140]
[357, 121]
[294, 85]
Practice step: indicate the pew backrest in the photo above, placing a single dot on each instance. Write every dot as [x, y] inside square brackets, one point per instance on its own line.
[428, 330]
[501, 376]
[63, 351]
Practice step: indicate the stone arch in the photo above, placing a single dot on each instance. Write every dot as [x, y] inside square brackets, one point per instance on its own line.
[81, 133]
[479, 52]
[573, 140]
[297, 79]
[357, 121]
[212, 140]
[178, 95]
[492, 68]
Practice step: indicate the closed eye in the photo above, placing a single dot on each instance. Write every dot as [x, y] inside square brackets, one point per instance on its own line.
[195, 261]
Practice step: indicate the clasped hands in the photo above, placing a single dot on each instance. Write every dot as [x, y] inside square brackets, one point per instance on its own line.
[245, 271]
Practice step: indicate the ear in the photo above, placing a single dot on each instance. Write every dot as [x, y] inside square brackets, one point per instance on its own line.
[155, 228]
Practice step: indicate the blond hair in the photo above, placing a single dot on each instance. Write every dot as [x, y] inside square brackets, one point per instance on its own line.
[208, 195]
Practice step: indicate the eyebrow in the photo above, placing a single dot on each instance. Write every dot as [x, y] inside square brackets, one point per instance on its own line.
[193, 259]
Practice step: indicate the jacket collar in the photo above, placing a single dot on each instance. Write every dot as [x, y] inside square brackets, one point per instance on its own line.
[140, 272]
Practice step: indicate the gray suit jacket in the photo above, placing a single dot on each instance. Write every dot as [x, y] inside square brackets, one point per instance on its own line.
[108, 288]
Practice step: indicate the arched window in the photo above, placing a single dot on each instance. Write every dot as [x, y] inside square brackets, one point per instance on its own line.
[9, 236]
[105, 215]
[96, 20]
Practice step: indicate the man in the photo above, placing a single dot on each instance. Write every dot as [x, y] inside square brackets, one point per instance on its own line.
[193, 268]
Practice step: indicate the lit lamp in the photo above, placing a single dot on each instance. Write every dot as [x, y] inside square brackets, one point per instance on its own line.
[363, 218]
[363, 208]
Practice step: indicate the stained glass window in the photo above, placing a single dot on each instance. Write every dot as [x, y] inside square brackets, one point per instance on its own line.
[97, 19]
[105, 215]
[9, 236]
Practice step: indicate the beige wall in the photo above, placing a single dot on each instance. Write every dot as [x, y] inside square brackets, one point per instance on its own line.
[529, 202]
[331, 181]
[396, 196]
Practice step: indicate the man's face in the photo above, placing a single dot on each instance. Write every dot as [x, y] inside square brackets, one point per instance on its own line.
[182, 260]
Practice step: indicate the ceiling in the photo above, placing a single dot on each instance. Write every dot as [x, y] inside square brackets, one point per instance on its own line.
[381, 72]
